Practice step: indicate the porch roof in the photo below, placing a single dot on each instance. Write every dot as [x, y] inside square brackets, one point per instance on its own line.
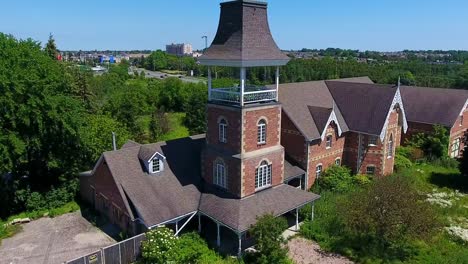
[240, 214]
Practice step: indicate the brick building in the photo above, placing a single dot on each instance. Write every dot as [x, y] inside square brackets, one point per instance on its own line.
[427, 107]
[264, 145]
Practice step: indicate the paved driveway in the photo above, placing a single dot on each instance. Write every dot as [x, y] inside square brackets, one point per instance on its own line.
[53, 240]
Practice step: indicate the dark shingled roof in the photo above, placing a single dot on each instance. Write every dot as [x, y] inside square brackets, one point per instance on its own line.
[166, 195]
[433, 105]
[240, 214]
[176, 191]
[297, 97]
[320, 116]
[364, 106]
[243, 38]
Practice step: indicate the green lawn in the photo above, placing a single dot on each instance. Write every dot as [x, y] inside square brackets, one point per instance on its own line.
[176, 124]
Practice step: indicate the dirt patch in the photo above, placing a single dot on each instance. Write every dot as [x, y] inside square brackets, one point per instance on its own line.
[303, 251]
[53, 240]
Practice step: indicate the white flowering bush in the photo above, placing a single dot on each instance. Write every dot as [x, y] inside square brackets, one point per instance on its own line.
[159, 246]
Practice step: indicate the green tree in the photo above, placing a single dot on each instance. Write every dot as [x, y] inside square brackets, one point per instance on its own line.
[195, 119]
[269, 240]
[435, 144]
[387, 215]
[159, 124]
[51, 48]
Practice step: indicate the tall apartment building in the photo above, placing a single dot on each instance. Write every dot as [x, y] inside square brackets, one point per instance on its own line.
[179, 49]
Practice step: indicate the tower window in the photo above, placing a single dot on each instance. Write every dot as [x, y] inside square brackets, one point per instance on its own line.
[329, 141]
[261, 132]
[223, 131]
[220, 174]
[390, 146]
[155, 165]
[263, 176]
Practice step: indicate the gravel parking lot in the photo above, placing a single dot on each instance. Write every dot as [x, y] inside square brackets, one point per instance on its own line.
[53, 240]
[303, 251]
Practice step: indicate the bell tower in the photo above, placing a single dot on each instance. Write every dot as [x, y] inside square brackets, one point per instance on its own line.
[243, 153]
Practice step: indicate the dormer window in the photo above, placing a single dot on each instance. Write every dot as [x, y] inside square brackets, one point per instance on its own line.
[155, 165]
[222, 131]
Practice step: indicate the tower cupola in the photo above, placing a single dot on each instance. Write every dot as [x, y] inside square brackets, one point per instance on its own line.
[243, 40]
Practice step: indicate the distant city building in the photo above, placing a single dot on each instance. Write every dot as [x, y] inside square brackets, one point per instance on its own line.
[179, 49]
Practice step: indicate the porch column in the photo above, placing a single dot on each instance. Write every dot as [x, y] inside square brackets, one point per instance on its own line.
[239, 251]
[243, 77]
[297, 219]
[177, 227]
[218, 237]
[277, 83]
[199, 223]
[312, 214]
[209, 84]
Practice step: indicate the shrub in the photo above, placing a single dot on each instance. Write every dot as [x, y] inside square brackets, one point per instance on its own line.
[362, 180]
[336, 178]
[434, 144]
[159, 246]
[386, 215]
[191, 248]
[446, 162]
[402, 162]
[270, 243]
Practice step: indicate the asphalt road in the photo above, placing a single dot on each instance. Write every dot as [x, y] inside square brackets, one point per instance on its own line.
[161, 75]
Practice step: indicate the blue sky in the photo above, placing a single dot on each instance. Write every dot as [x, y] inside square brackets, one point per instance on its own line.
[385, 25]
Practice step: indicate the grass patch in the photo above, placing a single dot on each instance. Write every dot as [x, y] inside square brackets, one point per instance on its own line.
[176, 125]
[174, 72]
[328, 231]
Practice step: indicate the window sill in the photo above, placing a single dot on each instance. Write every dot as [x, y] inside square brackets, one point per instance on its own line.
[328, 147]
[262, 188]
[372, 145]
[389, 157]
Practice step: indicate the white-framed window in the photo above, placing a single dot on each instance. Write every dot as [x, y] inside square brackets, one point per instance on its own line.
[390, 147]
[261, 132]
[222, 131]
[263, 176]
[373, 141]
[329, 141]
[318, 170]
[220, 174]
[370, 170]
[155, 165]
[338, 162]
[455, 149]
[461, 120]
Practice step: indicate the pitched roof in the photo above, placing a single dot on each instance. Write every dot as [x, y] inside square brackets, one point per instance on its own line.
[167, 194]
[320, 116]
[364, 106]
[433, 105]
[297, 97]
[243, 38]
[241, 214]
[175, 191]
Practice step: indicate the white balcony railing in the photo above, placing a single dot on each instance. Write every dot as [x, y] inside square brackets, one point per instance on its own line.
[252, 94]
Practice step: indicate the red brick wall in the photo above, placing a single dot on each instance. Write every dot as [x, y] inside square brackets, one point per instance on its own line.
[272, 116]
[233, 117]
[108, 200]
[249, 170]
[319, 154]
[458, 131]
[394, 129]
[293, 141]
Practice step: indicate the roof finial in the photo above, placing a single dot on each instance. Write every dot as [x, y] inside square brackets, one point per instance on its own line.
[399, 81]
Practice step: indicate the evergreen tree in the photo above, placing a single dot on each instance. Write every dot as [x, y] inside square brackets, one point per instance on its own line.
[51, 48]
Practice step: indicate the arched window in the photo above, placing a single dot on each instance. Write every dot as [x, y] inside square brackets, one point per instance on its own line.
[390, 146]
[261, 132]
[222, 131]
[329, 141]
[318, 170]
[220, 174]
[263, 176]
[455, 150]
[338, 162]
